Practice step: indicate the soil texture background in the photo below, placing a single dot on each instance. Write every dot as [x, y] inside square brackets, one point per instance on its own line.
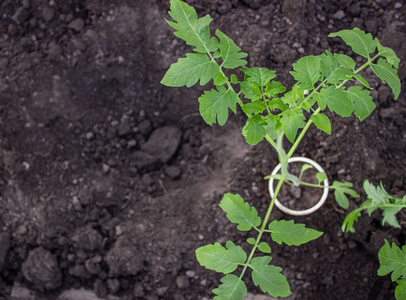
[109, 181]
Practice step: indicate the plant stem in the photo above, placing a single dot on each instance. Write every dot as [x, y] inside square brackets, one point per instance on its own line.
[264, 223]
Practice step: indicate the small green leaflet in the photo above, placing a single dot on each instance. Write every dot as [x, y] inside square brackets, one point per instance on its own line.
[336, 100]
[340, 189]
[387, 74]
[333, 71]
[321, 176]
[255, 107]
[195, 32]
[388, 53]
[345, 60]
[392, 259]
[220, 79]
[272, 126]
[254, 131]
[291, 121]
[251, 90]
[307, 71]
[360, 42]
[230, 53]
[304, 168]
[215, 104]
[251, 241]
[268, 277]
[274, 88]
[292, 234]
[233, 79]
[231, 288]
[362, 99]
[400, 290]
[261, 76]
[240, 212]
[221, 259]
[188, 71]
[264, 247]
[322, 122]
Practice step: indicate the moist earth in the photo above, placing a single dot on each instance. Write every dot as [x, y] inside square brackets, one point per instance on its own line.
[109, 181]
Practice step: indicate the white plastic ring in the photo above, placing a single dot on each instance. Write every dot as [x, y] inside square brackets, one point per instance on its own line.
[306, 211]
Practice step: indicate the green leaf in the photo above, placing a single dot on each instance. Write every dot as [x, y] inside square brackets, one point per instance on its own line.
[195, 32]
[388, 75]
[274, 88]
[234, 79]
[400, 290]
[260, 76]
[268, 277]
[255, 107]
[254, 131]
[307, 71]
[333, 71]
[345, 60]
[350, 219]
[321, 176]
[336, 100]
[360, 42]
[231, 288]
[392, 259]
[340, 189]
[230, 53]
[277, 103]
[322, 122]
[362, 80]
[251, 241]
[188, 71]
[362, 99]
[264, 247]
[220, 79]
[272, 126]
[215, 104]
[291, 121]
[292, 234]
[251, 90]
[240, 212]
[388, 53]
[221, 259]
[304, 168]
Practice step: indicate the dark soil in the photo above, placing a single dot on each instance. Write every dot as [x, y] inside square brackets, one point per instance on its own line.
[109, 181]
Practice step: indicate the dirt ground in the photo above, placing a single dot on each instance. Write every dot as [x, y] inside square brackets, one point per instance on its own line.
[109, 181]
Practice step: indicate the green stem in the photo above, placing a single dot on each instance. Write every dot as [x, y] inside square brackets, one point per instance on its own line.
[264, 223]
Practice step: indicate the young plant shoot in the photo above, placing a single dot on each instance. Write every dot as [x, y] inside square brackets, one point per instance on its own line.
[273, 113]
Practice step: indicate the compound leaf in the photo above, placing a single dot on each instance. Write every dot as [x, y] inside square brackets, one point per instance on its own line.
[215, 104]
[292, 234]
[254, 131]
[340, 189]
[255, 107]
[230, 53]
[188, 71]
[251, 90]
[231, 288]
[387, 74]
[333, 71]
[268, 277]
[307, 71]
[392, 259]
[360, 42]
[274, 88]
[362, 99]
[261, 76]
[322, 122]
[400, 290]
[291, 121]
[388, 53]
[221, 259]
[240, 212]
[195, 32]
[336, 100]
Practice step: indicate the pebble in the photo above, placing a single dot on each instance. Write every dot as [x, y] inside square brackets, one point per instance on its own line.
[398, 5]
[190, 273]
[76, 24]
[182, 282]
[173, 172]
[113, 285]
[48, 14]
[339, 15]
[99, 288]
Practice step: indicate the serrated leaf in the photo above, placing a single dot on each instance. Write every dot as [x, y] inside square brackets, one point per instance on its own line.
[336, 100]
[264, 247]
[231, 288]
[321, 176]
[345, 60]
[392, 259]
[400, 290]
[307, 71]
[240, 212]
[260, 76]
[364, 105]
[342, 188]
[350, 219]
[221, 259]
[277, 103]
[230, 53]
[253, 130]
[333, 71]
[322, 122]
[388, 75]
[255, 107]
[272, 126]
[195, 32]
[274, 88]
[268, 277]
[251, 241]
[377, 195]
[251, 90]
[288, 232]
[292, 121]
[214, 105]
[188, 71]
[360, 42]
[388, 53]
